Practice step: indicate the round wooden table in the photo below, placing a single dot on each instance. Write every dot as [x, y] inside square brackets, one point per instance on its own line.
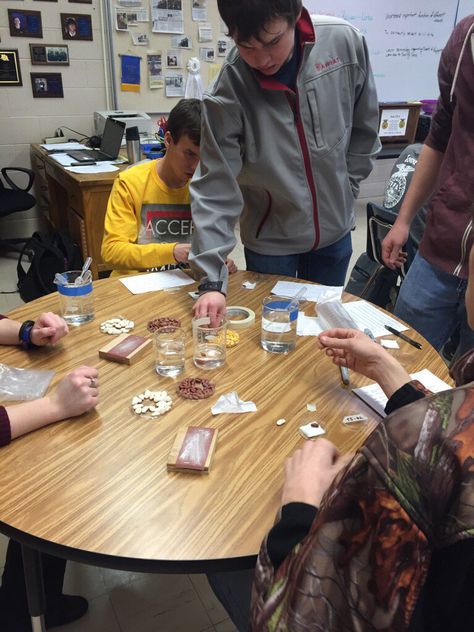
[96, 488]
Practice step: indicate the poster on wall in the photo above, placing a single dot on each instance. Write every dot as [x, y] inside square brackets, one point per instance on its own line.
[199, 11]
[154, 62]
[174, 82]
[222, 46]
[206, 54]
[167, 16]
[140, 38]
[181, 41]
[173, 59]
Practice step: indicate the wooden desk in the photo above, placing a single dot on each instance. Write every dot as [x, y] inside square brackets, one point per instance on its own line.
[74, 203]
[96, 488]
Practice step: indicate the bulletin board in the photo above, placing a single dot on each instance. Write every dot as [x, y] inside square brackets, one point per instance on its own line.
[169, 32]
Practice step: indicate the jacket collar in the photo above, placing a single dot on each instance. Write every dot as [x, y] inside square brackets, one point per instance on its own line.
[306, 35]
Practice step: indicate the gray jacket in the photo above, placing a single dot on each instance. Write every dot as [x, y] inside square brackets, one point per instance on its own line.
[288, 164]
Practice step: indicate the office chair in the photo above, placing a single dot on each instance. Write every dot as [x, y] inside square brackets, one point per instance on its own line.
[14, 199]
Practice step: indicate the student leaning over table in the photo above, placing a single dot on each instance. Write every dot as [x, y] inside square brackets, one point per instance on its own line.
[73, 395]
[148, 220]
[289, 130]
[386, 541]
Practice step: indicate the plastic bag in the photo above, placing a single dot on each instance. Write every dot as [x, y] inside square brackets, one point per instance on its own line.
[332, 313]
[23, 384]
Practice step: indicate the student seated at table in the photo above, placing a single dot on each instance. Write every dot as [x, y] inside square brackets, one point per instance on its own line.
[148, 220]
[73, 395]
[386, 541]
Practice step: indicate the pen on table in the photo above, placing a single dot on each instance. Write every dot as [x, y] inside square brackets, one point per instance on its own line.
[401, 335]
[344, 371]
[368, 333]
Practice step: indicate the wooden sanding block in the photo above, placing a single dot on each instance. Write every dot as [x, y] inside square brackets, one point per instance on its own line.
[193, 450]
[125, 348]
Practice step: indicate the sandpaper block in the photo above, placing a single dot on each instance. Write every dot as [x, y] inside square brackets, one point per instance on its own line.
[125, 348]
[193, 450]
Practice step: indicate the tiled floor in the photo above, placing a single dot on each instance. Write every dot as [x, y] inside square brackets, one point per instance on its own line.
[133, 602]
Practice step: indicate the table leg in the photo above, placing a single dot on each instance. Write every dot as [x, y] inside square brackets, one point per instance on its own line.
[34, 587]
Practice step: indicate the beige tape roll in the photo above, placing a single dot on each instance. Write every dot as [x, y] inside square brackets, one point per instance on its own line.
[239, 317]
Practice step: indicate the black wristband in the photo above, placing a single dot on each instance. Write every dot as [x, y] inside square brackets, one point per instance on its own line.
[210, 286]
[24, 334]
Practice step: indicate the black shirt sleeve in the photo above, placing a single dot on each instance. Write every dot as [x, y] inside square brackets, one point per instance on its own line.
[406, 394]
[294, 524]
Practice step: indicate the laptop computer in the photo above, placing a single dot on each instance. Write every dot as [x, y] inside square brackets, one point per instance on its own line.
[109, 145]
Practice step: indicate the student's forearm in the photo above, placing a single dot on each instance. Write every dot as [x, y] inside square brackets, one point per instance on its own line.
[422, 185]
[9, 330]
[29, 416]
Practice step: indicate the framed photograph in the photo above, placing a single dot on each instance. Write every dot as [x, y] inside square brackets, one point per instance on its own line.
[47, 85]
[10, 74]
[398, 122]
[49, 54]
[76, 26]
[25, 23]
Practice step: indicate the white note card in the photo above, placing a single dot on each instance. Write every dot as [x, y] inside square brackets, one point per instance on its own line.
[154, 281]
[374, 396]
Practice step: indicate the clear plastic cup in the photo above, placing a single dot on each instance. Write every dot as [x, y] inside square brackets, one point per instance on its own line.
[278, 324]
[76, 299]
[169, 351]
[209, 343]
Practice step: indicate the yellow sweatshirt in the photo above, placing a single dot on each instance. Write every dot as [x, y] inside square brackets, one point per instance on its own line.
[144, 221]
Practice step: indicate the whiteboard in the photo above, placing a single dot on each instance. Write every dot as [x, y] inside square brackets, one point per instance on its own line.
[405, 40]
[466, 7]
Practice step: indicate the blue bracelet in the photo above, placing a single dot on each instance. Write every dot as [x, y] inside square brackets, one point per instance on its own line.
[24, 334]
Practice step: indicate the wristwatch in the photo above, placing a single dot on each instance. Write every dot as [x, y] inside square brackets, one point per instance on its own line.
[24, 334]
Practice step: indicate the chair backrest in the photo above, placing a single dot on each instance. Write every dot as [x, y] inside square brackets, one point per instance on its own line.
[381, 218]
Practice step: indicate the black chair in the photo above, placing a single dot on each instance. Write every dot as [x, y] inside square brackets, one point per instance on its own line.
[14, 199]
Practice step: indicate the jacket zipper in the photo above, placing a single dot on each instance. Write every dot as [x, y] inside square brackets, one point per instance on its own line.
[465, 237]
[307, 163]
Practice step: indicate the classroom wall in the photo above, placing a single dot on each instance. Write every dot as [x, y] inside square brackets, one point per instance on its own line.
[24, 119]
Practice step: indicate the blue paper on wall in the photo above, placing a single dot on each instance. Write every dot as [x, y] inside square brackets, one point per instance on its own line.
[130, 73]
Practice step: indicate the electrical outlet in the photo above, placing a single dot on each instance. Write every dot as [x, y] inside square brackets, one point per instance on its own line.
[55, 139]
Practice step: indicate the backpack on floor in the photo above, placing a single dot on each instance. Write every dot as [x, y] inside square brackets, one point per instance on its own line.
[52, 252]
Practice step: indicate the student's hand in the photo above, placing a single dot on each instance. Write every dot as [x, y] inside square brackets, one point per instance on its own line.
[392, 253]
[181, 252]
[356, 351]
[76, 393]
[231, 267]
[210, 304]
[310, 472]
[48, 329]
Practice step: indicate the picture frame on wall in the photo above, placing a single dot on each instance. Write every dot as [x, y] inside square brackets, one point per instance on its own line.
[49, 54]
[25, 23]
[47, 85]
[76, 26]
[10, 72]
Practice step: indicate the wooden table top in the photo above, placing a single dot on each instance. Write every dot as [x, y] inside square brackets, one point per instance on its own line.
[99, 482]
